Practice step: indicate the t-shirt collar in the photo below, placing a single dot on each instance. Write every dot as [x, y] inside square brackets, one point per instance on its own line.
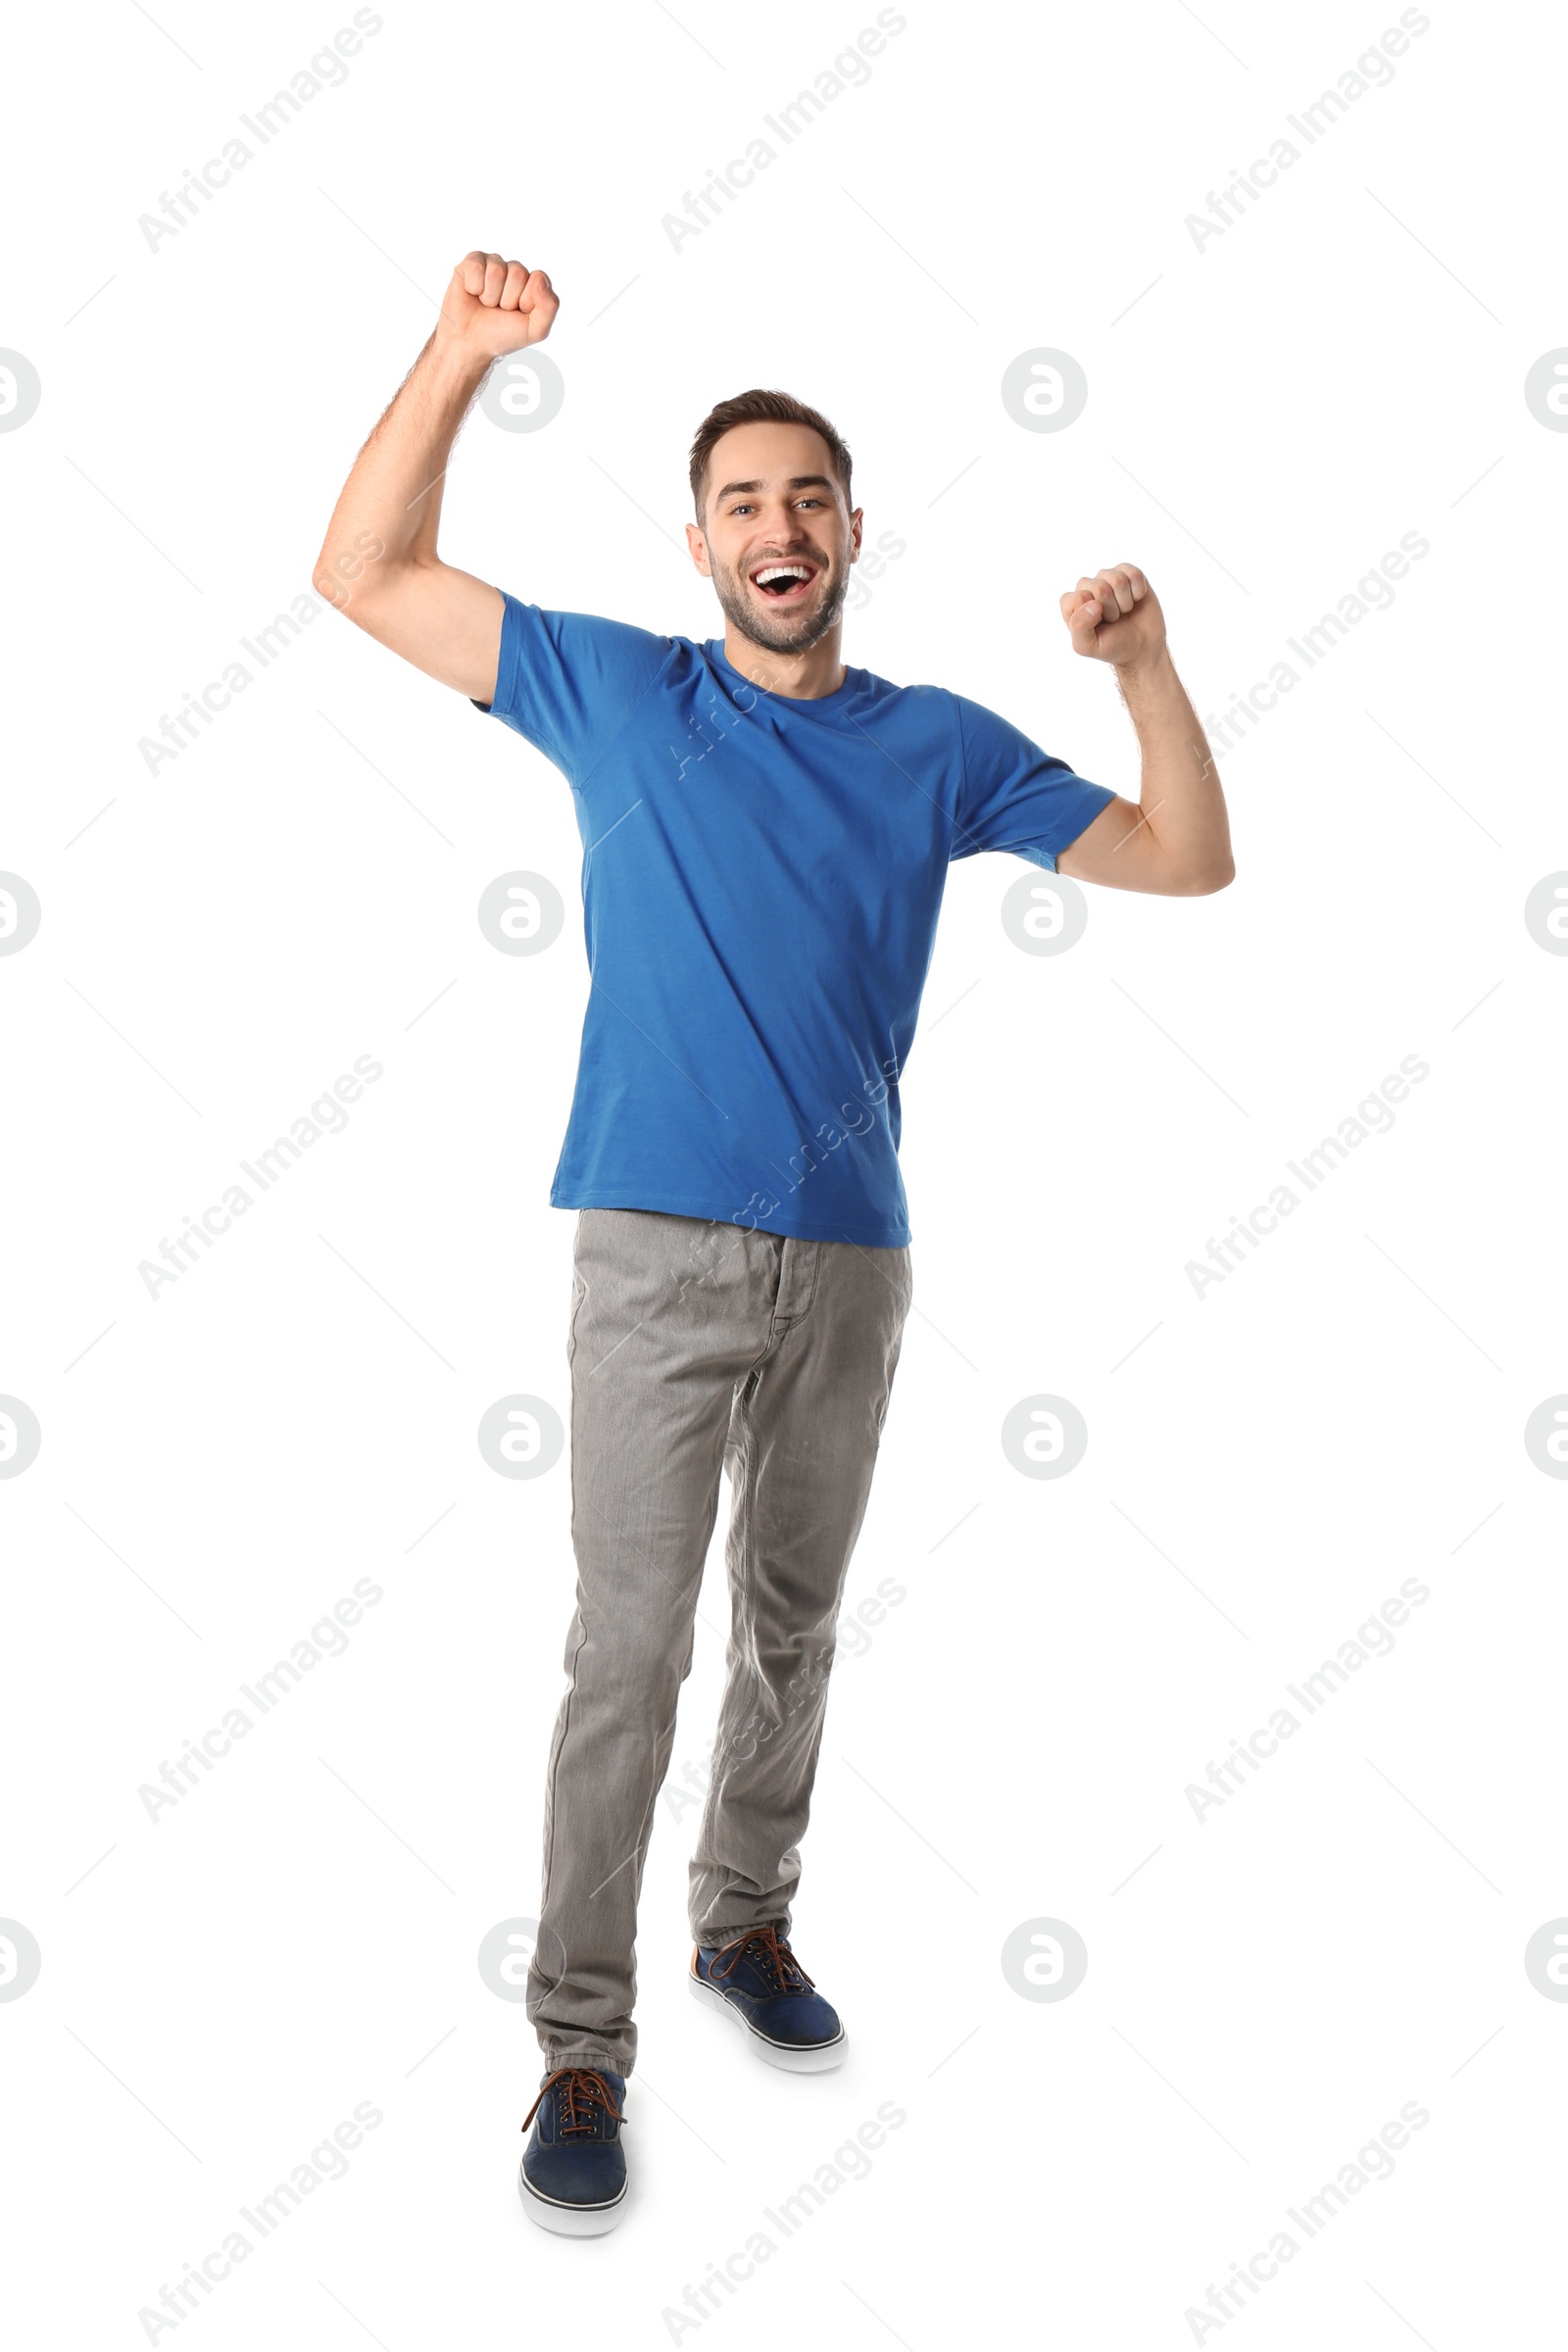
[714, 648]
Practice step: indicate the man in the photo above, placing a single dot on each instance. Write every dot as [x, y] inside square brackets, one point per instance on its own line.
[767, 834]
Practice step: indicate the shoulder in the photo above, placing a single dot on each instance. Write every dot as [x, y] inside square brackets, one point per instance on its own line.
[592, 634]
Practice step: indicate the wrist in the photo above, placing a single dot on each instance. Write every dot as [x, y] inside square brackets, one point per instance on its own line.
[455, 362]
[1148, 674]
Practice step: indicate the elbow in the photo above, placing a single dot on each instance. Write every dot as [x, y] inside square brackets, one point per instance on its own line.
[329, 583]
[344, 577]
[1202, 881]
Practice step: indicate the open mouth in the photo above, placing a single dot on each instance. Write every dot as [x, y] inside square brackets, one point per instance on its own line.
[784, 583]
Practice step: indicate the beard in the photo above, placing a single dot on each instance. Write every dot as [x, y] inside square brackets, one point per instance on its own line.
[746, 608]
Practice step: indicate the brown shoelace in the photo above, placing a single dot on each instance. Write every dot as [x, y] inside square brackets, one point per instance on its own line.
[584, 2091]
[762, 1945]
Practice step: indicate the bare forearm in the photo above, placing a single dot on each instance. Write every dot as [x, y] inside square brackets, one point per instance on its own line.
[1175, 838]
[1180, 800]
[378, 563]
[389, 510]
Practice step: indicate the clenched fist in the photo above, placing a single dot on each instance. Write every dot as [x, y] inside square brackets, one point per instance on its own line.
[1115, 616]
[494, 307]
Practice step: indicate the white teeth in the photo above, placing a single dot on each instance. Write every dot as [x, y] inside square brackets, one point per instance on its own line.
[780, 571]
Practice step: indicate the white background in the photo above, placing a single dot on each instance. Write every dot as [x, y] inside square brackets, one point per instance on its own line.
[1341, 367]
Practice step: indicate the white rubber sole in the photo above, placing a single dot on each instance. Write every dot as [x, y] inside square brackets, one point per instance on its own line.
[794, 2061]
[568, 2221]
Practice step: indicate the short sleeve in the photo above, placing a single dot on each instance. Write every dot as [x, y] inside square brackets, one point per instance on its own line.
[568, 681]
[1014, 796]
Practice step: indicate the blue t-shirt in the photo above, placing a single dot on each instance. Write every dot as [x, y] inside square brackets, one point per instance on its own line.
[760, 882]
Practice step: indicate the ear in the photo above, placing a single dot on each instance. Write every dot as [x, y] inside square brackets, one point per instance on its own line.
[698, 547]
[856, 526]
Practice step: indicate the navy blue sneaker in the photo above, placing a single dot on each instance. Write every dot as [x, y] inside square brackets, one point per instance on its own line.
[758, 1983]
[572, 2176]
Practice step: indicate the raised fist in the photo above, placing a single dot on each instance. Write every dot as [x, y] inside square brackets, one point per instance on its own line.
[1115, 616]
[494, 307]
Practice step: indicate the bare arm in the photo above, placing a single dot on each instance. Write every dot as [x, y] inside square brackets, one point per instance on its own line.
[1175, 839]
[378, 561]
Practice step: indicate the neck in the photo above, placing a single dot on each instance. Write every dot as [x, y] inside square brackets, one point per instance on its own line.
[802, 678]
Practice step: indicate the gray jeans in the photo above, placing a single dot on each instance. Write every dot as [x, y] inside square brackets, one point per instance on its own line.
[697, 1344]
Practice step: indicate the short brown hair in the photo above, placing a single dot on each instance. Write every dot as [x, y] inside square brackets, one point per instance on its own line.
[762, 408]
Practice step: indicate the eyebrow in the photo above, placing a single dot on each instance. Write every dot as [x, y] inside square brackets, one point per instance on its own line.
[796, 482]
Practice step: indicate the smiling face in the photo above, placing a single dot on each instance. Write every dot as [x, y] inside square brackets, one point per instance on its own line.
[778, 535]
